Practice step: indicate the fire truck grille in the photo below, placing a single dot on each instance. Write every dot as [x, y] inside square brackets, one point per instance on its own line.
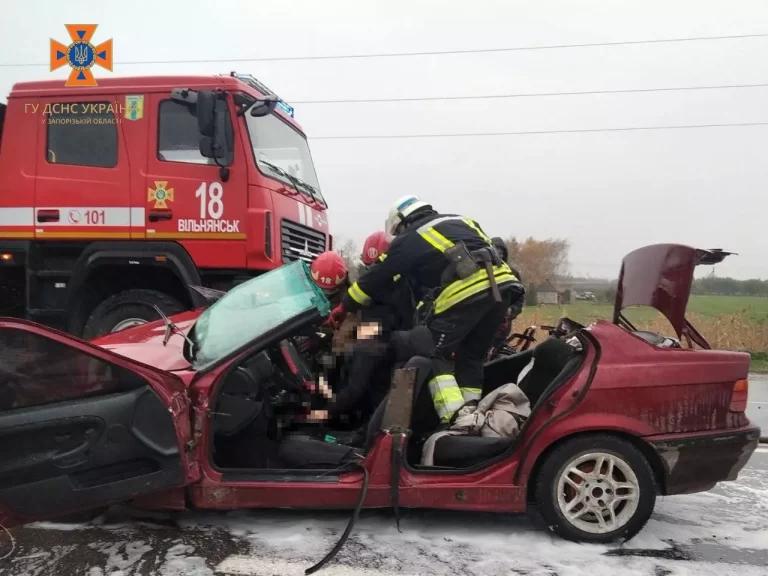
[299, 242]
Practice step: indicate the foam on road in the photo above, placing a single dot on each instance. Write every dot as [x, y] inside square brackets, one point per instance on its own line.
[718, 533]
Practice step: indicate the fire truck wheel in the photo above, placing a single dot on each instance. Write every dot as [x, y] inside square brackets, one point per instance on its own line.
[596, 488]
[129, 308]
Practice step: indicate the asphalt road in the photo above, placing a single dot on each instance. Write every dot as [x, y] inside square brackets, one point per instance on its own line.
[721, 532]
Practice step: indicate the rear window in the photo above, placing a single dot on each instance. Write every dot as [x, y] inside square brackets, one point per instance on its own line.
[83, 134]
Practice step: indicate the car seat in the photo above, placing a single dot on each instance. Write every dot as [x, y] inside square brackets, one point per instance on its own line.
[423, 368]
[554, 362]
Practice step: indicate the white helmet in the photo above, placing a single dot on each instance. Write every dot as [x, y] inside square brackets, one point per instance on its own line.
[400, 210]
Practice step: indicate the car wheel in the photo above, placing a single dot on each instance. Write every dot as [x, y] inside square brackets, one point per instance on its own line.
[596, 489]
[127, 309]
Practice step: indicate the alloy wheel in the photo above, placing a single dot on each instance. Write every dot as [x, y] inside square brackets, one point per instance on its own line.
[598, 492]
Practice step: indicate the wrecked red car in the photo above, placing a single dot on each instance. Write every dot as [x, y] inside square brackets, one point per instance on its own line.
[209, 411]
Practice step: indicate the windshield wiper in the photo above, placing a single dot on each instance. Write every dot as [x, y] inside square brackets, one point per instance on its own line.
[282, 172]
[295, 181]
[312, 192]
[171, 328]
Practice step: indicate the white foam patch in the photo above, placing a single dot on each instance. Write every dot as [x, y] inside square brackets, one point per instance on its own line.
[61, 526]
[122, 557]
[181, 561]
[253, 566]
[39, 562]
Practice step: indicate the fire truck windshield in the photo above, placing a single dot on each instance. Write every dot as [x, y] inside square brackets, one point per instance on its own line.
[283, 153]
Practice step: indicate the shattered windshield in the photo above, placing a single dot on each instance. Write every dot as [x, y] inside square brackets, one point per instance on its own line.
[283, 153]
[252, 309]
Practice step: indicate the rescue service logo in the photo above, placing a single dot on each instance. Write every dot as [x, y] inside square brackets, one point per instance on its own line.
[161, 194]
[81, 55]
[134, 107]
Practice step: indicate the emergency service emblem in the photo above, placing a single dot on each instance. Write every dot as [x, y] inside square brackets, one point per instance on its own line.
[161, 194]
[134, 107]
[81, 55]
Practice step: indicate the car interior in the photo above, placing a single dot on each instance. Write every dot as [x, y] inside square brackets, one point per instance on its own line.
[260, 408]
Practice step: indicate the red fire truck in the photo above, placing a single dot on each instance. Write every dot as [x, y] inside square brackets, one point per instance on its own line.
[120, 197]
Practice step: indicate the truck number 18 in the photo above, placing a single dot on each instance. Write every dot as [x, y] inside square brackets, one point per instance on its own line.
[211, 200]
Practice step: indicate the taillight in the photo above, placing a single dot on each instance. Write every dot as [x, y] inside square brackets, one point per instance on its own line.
[739, 396]
[268, 235]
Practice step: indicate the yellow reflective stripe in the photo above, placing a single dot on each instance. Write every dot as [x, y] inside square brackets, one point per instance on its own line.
[443, 304]
[471, 393]
[472, 224]
[437, 240]
[396, 278]
[459, 285]
[446, 395]
[478, 282]
[382, 257]
[357, 294]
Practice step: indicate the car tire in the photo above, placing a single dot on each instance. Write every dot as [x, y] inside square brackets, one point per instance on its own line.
[129, 308]
[596, 488]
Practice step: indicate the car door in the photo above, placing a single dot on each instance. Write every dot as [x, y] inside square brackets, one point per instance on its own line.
[185, 196]
[81, 427]
[82, 186]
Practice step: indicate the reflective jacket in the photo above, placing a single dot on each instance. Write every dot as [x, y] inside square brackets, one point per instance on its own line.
[418, 254]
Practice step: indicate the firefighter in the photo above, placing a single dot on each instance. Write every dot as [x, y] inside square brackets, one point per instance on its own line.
[396, 310]
[374, 248]
[451, 264]
[329, 271]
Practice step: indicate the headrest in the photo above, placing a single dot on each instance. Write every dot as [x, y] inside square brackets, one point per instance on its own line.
[260, 366]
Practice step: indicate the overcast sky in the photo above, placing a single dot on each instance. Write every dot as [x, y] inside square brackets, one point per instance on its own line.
[606, 192]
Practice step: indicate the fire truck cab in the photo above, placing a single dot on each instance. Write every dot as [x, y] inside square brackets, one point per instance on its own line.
[119, 197]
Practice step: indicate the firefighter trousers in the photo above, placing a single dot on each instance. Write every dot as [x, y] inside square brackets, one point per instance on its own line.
[463, 335]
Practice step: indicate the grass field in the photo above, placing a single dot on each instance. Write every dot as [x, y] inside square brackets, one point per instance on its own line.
[728, 322]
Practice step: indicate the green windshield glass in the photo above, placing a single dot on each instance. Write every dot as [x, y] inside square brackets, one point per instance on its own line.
[252, 309]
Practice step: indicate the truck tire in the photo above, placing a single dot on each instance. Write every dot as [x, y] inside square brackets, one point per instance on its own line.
[129, 308]
[596, 488]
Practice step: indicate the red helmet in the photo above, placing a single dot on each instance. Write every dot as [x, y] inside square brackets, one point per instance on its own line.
[375, 245]
[329, 271]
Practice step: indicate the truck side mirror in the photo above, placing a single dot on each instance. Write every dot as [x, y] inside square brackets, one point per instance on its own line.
[263, 107]
[206, 104]
[216, 140]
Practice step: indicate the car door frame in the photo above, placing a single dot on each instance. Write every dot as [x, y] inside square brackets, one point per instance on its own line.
[258, 489]
[169, 388]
